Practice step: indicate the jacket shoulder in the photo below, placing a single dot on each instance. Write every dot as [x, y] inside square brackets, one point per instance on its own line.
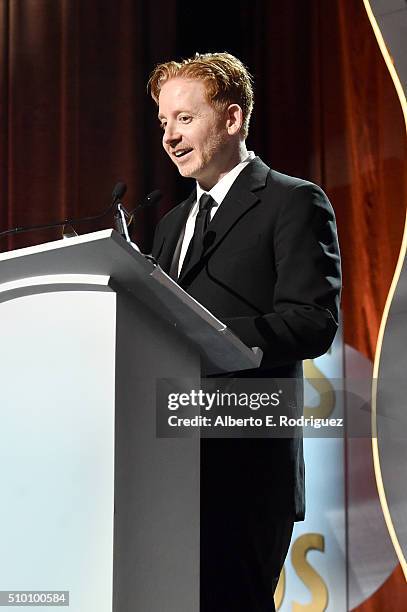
[296, 191]
[282, 184]
[285, 181]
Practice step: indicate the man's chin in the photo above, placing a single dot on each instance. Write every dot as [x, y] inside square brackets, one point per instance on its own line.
[187, 172]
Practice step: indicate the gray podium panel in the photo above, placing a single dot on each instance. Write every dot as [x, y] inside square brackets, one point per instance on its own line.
[56, 456]
[94, 503]
[157, 480]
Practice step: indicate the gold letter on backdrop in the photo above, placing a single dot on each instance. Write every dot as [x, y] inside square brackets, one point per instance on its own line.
[309, 576]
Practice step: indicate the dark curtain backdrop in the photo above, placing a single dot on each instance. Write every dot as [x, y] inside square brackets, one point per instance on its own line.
[75, 118]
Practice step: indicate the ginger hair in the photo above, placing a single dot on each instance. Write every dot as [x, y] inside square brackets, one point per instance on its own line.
[226, 79]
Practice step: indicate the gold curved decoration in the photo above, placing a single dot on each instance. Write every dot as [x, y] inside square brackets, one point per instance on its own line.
[375, 448]
[280, 590]
[323, 387]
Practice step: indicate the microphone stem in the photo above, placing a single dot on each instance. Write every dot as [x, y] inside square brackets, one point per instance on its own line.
[122, 222]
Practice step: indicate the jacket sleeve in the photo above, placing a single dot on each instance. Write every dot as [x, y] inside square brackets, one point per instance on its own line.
[307, 292]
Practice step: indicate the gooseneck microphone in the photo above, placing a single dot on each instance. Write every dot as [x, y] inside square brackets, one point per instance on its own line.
[124, 219]
[151, 200]
[117, 194]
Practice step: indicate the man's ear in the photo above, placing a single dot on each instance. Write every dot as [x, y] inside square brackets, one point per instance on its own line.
[234, 119]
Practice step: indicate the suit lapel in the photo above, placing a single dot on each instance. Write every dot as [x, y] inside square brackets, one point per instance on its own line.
[174, 235]
[240, 199]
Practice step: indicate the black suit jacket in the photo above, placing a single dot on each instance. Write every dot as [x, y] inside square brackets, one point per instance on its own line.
[270, 269]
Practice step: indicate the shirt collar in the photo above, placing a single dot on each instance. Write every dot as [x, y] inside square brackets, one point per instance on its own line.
[219, 191]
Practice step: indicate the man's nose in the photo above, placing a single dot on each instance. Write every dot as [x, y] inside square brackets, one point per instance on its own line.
[171, 134]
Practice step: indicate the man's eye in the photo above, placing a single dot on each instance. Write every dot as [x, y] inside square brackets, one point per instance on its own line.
[185, 118]
[162, 126]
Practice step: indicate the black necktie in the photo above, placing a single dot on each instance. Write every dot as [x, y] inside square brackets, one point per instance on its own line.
[202, 220]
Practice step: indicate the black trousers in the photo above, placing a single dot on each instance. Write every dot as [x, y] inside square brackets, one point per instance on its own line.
[243, 543]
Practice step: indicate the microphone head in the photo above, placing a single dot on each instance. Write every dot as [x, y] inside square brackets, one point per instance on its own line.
[119, 190]
[153, 198]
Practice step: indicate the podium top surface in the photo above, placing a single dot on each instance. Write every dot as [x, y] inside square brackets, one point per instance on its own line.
[107, 253]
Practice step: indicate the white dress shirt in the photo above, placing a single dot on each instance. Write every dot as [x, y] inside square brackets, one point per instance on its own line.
[218, 193]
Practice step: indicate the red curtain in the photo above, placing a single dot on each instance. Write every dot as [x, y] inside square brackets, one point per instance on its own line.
[365, 172]
[73, 107]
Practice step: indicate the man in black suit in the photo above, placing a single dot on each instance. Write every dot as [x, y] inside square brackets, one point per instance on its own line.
[259, 250]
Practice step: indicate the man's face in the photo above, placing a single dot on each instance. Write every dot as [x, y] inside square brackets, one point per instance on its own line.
[195, 135]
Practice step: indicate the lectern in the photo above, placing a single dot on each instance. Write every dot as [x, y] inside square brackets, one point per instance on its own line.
[92, 501]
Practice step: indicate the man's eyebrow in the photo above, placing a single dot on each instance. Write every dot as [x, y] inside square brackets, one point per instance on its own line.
[178, 112]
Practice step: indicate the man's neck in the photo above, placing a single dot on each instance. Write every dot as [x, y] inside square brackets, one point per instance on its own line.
[237, 155]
